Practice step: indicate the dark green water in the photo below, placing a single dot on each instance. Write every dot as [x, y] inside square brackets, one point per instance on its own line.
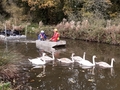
[69, 77]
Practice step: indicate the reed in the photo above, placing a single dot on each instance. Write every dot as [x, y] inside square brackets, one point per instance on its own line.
[93, 29]
[98, 31]
[9, 72]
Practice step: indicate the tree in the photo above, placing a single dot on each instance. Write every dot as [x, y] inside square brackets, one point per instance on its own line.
[49, 11]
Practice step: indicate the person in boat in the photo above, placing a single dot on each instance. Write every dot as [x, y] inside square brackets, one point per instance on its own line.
[42, 36]
[6, 32]
[56, 36]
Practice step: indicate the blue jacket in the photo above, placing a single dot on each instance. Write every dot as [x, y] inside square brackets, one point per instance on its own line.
[42, 36]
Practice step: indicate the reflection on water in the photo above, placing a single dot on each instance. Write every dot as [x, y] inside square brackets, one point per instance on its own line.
[72, 76]
[50, 50]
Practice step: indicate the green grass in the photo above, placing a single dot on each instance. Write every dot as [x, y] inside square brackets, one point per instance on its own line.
[5, 86]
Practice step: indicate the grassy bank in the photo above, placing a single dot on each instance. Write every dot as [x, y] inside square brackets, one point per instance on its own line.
[9, 72]
[98, 31]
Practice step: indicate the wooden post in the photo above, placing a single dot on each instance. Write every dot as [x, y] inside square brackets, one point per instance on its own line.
[5, 31]
[13, 28]
[26, 31]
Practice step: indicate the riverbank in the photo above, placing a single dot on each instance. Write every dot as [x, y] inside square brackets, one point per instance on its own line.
[97, 30]
[104, 32]
[9, 70]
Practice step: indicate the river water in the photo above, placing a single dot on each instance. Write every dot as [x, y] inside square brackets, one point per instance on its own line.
[58, 76]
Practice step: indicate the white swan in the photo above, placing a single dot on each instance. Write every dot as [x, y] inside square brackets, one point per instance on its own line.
[88, 63]
[105, 65]
[37, 61]
[66, 60]
[48, 58]
[78, 58]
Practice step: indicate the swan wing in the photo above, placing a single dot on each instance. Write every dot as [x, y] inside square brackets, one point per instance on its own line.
[65, 60]
[103, 64]
[77, 58]
[33, 60]
[86, 63]
[37, 61]
[46, 58]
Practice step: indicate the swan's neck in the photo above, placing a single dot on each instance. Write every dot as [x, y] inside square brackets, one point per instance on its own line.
[112, 63]
[84, 56]
[43, 54]
[72, 55]
[93, 60]
[72, 58]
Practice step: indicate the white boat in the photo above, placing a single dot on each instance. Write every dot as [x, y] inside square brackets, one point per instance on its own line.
[49, 44]
[17, 37]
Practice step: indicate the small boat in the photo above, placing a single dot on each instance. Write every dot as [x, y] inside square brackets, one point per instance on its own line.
[49, 44]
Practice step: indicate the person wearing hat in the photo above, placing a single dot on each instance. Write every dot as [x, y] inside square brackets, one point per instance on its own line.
[56, 36]
[42, 36]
